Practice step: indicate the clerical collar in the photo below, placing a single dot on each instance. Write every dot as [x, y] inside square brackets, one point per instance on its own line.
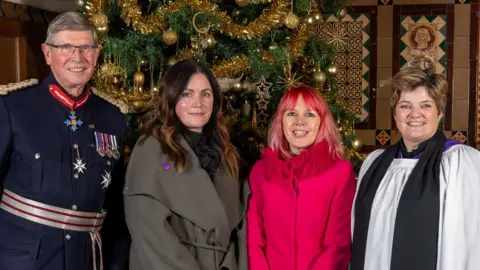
[412, 153]
[59, 93]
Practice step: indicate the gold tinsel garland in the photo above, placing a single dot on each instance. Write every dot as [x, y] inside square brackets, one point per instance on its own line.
[231, 67]
[298, 42]
[94, 7]
[132, 15]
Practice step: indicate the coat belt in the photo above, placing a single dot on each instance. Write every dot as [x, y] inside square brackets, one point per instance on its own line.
[57, 217]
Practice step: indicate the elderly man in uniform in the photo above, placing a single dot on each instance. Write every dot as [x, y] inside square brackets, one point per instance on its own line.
[60, 144]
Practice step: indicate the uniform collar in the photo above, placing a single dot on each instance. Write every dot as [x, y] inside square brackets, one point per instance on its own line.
[60, 94]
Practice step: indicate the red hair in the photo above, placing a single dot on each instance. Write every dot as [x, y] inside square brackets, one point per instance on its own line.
[314, 101]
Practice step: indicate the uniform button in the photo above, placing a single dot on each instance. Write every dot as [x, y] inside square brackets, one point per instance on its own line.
[75, 146]
[68, 237]
[74, 207]
[108, 162]
[76, 176]
[37, 156]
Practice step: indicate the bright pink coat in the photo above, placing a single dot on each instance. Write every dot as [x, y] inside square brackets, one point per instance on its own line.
[299, 212]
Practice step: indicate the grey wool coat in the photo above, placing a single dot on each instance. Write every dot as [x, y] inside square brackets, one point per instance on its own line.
[183, 221]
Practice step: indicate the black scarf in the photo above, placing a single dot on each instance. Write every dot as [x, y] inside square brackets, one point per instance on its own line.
[206, 151]
[415, 239]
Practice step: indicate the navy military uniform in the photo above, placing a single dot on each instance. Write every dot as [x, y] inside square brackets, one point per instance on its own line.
[57, 158]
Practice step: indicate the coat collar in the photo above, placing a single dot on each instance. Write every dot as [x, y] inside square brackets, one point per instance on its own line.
[210, 204]
[314, 161]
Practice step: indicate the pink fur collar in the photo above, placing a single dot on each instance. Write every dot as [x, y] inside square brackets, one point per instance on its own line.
[314, 161]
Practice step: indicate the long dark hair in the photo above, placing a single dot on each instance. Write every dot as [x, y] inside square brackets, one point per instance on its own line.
[163, 123]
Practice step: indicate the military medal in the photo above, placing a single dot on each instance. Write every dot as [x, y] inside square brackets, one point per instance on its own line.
[107, 145]
[99, 142]
[73, 122]
[79, 165]
[107, 179]
[115, 152]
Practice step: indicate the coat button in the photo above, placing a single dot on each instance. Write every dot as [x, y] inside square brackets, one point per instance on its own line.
[37, 156]
[75, 176]
[75, 146]
[68, 237]
[74, 207]
[108, 162]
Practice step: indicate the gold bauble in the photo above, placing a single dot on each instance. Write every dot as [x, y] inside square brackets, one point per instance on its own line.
[357, 144]
[319, 76]
[317, 16]
[138, 78]
[332, 70]
[310, 19]
[341, 14]
[273, 46]
[170, 37]
[172, 60]
[100, 22]
[242, 3]
[208, 41]
[138, 105]
[291, 20]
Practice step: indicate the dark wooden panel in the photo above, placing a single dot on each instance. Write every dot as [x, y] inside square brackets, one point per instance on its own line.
[21, 35]
[9, 53]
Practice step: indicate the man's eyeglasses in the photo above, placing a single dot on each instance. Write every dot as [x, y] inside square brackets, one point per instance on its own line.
[70, 49]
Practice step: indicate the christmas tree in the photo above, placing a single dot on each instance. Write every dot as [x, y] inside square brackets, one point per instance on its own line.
[257, 49]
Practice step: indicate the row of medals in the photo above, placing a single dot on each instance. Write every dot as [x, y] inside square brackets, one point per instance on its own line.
[107, 145]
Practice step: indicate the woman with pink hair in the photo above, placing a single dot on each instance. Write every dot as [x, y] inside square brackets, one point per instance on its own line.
[302, 191]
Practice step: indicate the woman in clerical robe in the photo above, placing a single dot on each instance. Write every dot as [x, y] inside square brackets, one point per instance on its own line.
[417, 205]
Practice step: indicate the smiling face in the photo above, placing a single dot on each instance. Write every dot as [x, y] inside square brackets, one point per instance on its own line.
[195, 105]
[300, 126]
[417, 117]
[72, 70]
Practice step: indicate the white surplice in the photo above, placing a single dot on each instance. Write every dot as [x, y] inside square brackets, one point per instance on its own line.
[459, 228]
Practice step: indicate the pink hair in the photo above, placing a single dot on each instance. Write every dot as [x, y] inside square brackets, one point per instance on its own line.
[314, 101]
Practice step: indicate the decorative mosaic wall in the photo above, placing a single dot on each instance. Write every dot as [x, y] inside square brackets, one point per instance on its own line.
[438, 34]
[423, 42]
[351, 39]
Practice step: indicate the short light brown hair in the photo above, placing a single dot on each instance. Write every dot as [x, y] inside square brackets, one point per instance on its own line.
[70, 21]
[410, 78]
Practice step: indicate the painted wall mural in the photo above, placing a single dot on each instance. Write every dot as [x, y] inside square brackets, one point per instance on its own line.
[423, 42]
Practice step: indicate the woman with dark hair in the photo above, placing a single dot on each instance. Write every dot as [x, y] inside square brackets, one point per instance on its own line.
[185, 193]
[302, 190]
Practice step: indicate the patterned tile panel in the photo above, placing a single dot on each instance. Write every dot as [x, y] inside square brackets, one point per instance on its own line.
[383, 137]
[351, 40]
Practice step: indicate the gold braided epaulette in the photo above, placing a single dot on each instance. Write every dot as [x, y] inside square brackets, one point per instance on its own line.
[7, 88]
[110, 99]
